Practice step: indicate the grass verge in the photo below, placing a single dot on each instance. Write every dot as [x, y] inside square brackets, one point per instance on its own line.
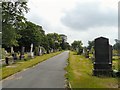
[19, 66]
[80, 74]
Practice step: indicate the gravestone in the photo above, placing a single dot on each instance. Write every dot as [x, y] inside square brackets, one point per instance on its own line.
[15, 56]
[22, 53]
[7, 60]
[103, 54]
[12, 51]
[87, 54]
[79, 50]
[51, 50]
[31, 51]
[40, 51]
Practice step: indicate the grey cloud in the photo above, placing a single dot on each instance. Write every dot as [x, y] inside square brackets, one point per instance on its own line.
[89, 15]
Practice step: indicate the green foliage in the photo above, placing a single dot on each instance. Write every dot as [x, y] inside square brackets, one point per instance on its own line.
[116, 46]
[31, 34]
[12, 17]
[77, 46]
[18, 32]
[90, 45]
[56, 41]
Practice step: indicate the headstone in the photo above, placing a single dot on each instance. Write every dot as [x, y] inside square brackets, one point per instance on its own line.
[103, 61]
[23, 50]
[22, 53]
[31, 51]
[51, 50]
[6, 52]
[15, 57]
[77, 49]
[86, 53]
[12, 51]
[7, 60]
[40, 51]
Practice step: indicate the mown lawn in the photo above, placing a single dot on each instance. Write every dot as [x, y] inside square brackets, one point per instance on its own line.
[80, 74]
[21, 65]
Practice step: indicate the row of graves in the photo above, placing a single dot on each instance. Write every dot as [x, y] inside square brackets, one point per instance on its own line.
[10, 59]
[102, 58]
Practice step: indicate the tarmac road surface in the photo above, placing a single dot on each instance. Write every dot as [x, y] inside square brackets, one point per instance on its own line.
[47, 74]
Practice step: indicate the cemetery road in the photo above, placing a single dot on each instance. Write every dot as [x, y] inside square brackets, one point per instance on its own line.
[47, 74]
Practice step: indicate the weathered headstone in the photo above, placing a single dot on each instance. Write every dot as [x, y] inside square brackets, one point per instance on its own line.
[85, 52]
[51, 50]
[15, 57]
[7, 60]
[23, 50]
[40, 51]
[79, 50]
[12, 51]
[22, 53]
[31, 51]
[103, 61]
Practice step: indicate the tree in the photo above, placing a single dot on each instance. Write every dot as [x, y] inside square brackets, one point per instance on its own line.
[90, 45]
[54, 40]
[116, 46]
[31, 34]
[77, 46]
[12, 17]
[63, 43]
[66, 46]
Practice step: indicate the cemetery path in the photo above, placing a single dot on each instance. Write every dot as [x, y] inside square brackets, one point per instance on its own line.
[47, 74]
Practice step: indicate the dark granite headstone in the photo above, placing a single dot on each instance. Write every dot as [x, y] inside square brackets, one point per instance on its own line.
[103, 54]
[7, 60]
[22, 53]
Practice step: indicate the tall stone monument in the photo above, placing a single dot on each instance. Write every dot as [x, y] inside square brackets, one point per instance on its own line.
[103, 57]
[12, 51]
[31, 51]
[40, 51]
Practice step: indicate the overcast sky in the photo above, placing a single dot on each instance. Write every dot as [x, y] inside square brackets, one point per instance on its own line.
[78, 19]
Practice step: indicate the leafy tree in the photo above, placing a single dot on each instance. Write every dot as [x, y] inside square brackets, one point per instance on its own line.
[77, 45]
[12, 17]
[64, 44]
[31, 34]
[54, 40]
[90, 45]
[116, 46]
